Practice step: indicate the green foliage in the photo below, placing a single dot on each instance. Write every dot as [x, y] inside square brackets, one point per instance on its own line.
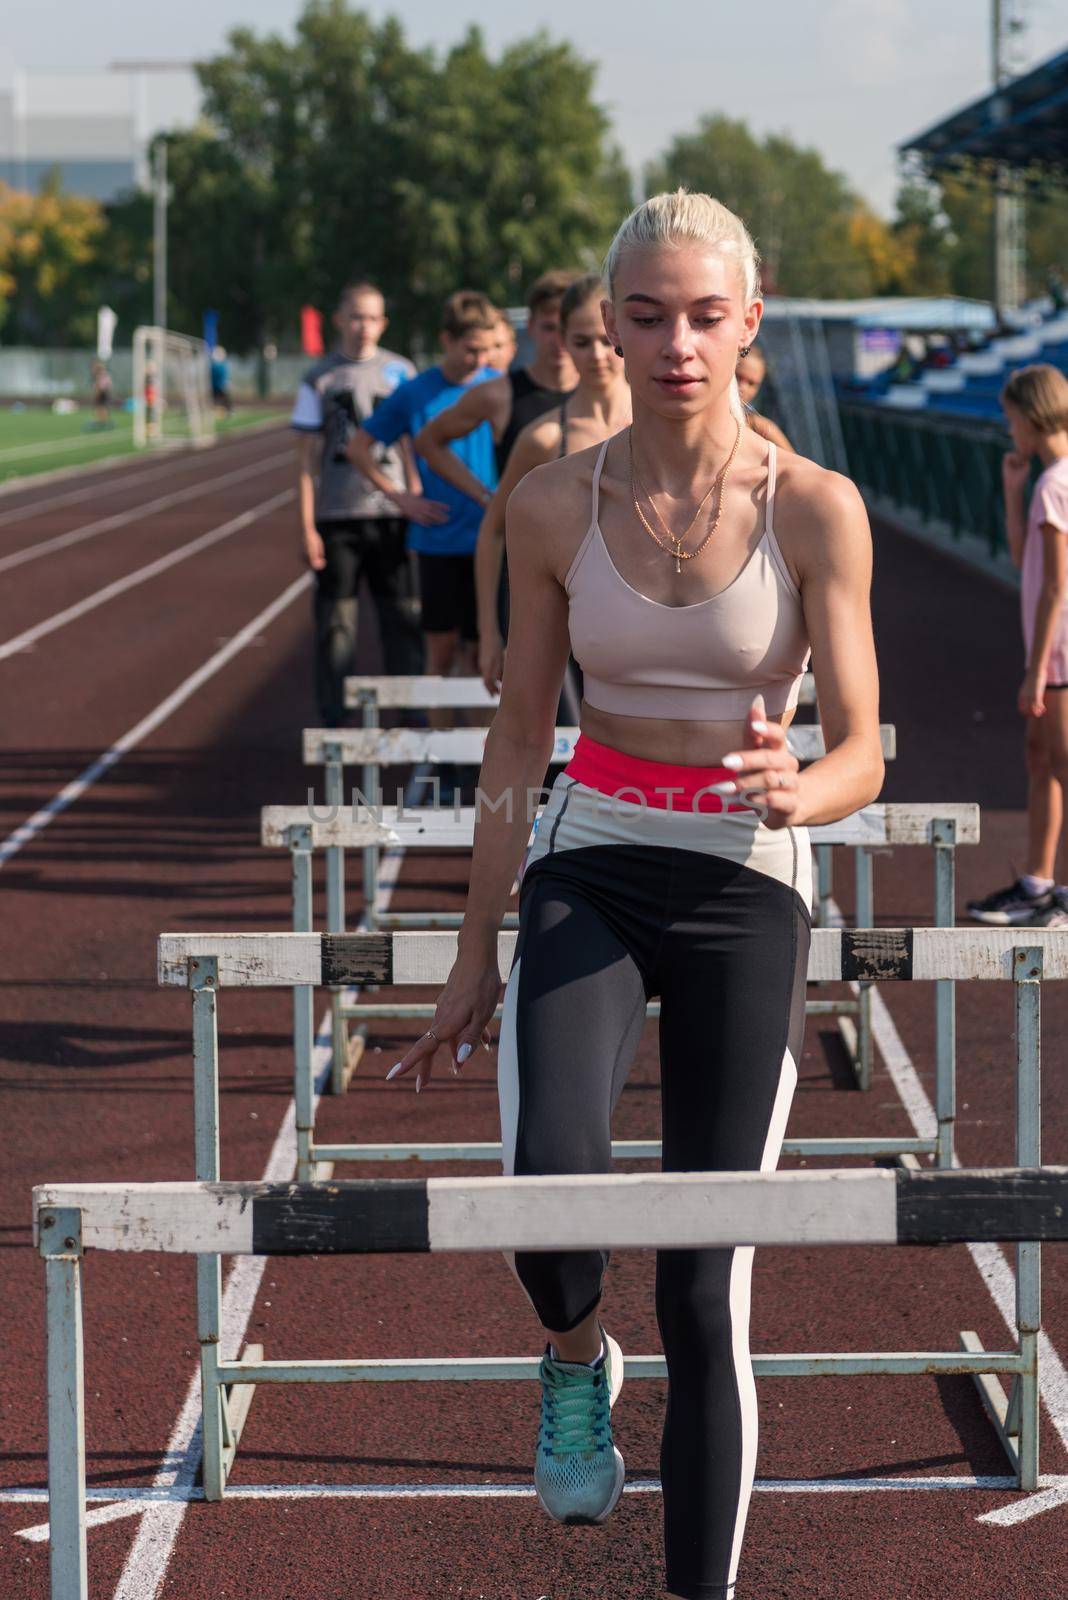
[47, 245]
[346, 152]
[951, 218]
[800, 213]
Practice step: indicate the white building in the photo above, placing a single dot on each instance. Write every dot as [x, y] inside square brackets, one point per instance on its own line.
[95, 127]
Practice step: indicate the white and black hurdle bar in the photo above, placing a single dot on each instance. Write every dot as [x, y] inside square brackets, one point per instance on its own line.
[373, 748]
[370, 695]
[878, 826]
[683, 1211]
[206, 962]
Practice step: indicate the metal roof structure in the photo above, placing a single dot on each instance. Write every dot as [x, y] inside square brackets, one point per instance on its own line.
[907, 313]
[1023, 124]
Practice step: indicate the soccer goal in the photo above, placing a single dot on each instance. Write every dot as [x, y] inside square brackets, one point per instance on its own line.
[171, 389]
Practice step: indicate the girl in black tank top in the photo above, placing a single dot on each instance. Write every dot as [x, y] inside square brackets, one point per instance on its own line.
[529, 402]
[598, 407]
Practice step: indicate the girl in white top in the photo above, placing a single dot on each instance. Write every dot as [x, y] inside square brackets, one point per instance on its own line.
[1035, 402]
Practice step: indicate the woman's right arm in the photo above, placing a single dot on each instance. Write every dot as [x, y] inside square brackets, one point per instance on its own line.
[519, 745]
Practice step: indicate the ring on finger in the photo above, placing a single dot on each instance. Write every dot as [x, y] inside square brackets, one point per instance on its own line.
[430, 1034]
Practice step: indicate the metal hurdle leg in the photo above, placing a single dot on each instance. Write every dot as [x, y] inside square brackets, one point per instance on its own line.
[944, 833]
[824, 884]
[858, 1035]
[60, 1230]
[224, 1409]
[334, 775]
[308, 1170]
[1016, 1415]
[369, 708]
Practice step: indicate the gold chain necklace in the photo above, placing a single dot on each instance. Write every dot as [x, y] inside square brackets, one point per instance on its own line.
[678, 553]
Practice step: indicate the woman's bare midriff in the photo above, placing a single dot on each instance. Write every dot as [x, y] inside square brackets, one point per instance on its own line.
[681, 743]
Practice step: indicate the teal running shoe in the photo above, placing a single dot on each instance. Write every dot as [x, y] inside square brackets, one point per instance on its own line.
[578, 1472]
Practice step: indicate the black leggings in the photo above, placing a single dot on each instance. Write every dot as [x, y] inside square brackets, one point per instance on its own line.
[724, 943]
[371, 547]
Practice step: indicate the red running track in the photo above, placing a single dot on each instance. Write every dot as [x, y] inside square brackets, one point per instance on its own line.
[96, 1080]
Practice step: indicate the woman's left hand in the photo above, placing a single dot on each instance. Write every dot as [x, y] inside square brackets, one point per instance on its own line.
[768, 771]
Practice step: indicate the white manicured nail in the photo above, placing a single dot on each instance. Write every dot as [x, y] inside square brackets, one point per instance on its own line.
[418, 1083]
[732, 761]
[392, 1073]
[722, 788]
[463, 1053]
[760, 727]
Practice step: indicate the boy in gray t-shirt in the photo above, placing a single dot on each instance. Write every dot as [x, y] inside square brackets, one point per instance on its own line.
[349, 527]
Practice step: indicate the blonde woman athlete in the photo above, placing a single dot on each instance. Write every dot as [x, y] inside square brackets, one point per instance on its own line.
[598, 407]
[672, 858]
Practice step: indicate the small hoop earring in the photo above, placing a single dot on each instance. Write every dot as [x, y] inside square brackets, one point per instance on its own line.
[745, 349]
[618, 349]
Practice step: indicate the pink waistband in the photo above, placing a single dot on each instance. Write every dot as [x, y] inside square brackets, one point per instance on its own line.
[633, 779]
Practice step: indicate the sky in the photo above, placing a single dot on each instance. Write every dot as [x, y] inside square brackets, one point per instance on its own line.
[852, 78]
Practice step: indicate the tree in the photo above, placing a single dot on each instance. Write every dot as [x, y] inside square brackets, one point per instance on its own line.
[47, 246]
[801, 214]
[924, 232]
[347, 152]
[950, 218]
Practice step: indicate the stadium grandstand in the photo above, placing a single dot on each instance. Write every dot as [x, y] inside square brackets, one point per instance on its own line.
[1021, 126]
[903, 394]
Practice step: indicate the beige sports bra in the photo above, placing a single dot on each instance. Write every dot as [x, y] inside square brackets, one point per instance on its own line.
[702, 662]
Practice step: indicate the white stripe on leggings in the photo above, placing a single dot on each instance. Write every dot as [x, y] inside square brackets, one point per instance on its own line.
[739, 1300]
[508, 1090]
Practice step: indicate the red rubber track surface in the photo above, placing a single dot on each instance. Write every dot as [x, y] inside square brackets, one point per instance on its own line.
[97, 1085]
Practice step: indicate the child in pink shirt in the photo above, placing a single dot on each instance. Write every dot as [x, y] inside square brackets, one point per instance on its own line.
[1035, 402]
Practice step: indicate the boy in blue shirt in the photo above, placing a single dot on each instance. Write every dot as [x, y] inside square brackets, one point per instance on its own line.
[443, 521]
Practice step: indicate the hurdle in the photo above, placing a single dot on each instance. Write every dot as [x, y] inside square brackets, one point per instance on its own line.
[877, 826]
[679, 1210]
[372, 748]
[204, 963]
[369, 695]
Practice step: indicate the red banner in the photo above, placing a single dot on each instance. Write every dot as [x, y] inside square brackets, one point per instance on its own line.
[311, 331]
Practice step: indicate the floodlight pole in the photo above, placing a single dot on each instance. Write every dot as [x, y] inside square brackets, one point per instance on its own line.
[1008, 220]
[159, 236]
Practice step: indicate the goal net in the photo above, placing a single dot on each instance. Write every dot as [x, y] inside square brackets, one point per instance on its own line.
[171, 389]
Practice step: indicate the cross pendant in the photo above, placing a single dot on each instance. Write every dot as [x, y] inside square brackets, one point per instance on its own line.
[678, 559]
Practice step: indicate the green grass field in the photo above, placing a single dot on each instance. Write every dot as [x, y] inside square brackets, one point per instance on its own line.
[36, 440]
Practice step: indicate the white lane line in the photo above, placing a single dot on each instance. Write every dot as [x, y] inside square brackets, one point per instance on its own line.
[990, 1260]
[127, 1501]
[148, 1560]
[72, 791]
[145, 473]
[80, 441]
[110, 591]
[121, 519]
[1032, 1506]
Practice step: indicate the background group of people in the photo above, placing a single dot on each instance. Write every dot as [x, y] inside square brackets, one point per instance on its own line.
[404, 477]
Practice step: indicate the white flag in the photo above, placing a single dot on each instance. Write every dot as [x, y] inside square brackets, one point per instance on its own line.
[105, 332]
